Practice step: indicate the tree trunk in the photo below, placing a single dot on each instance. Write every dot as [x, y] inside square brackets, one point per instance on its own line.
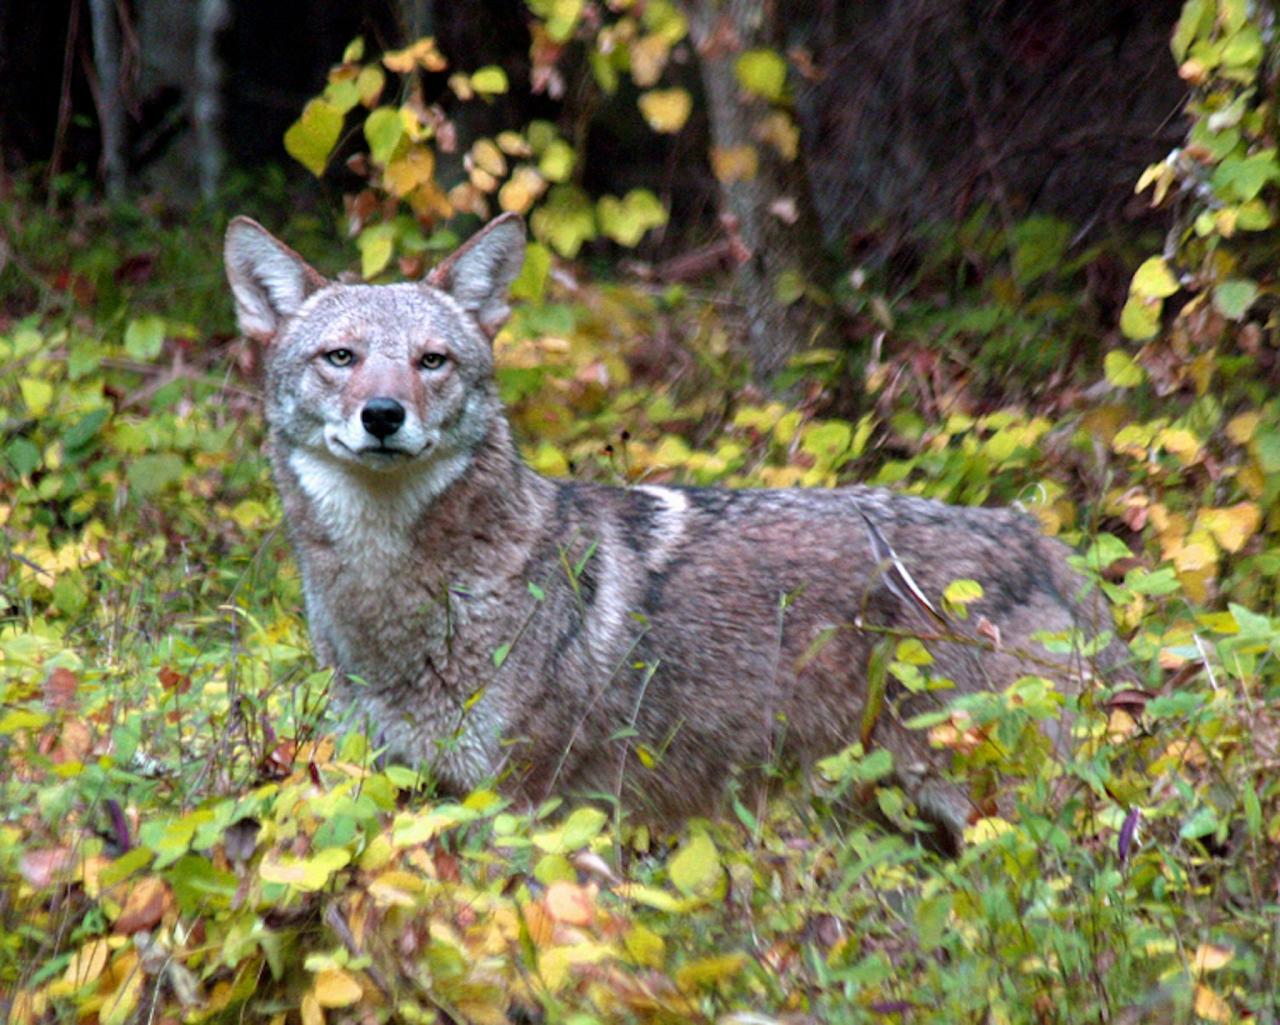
[206, 106]
[771, 208]
[106, 59]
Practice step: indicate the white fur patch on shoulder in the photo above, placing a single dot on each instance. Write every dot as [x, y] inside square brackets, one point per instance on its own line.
[670, 525]
[372, 515]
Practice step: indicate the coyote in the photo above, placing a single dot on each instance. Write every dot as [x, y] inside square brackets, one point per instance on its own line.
[646, 642]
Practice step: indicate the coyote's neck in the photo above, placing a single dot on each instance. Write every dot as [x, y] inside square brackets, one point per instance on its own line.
[371, 515]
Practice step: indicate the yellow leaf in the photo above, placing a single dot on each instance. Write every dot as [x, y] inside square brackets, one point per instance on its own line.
[569, 902]
[461, 86]
[1195, 552]
[85, 967]
[482, 179]
[734, 163]
[336, 988]
[1241, 429]
[406, 173]
[648, 58]
[369, 84]
[650, 896]
[1210, 1006]
[486, 155]
[524, 187]
[513, 144]
[645, 947]
[311, 138]
[1180, 442]
[307, 874]
[1232, 526]
[666, 110]
[395, 888]
[707, 972]
[696, 865]
[762, 72]
[985, 829]
[1209, 958]
[778, 130]
[555, 962]
[1154, 280]
[489, 80]
[423, 54]
[121, 1001]
[311, 1012]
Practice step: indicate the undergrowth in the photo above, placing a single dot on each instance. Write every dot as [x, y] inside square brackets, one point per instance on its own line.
[185, 834]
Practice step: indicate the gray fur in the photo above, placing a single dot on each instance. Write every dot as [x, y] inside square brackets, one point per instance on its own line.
[688, 623]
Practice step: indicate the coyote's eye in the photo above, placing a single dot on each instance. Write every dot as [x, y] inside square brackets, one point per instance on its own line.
[340, 357]
[433, 360]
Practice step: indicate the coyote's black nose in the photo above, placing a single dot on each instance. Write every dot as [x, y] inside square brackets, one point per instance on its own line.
[382, 417]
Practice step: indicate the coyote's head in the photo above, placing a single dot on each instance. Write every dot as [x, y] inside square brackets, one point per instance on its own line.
[384, 380]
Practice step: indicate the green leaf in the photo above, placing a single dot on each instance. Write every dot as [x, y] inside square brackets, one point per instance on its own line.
[1242, 178]
[1122, 370]
[144, 337]
[556, 162]
[199, 887]
[1233, 297]
[500, 654]
[696, 865]
[565, 221]
[1038, 247]
[1195, 22]
[626, 220]
[376, 244]
[383, 130]
[23, 456]
[531, 283]
[489, 80]
[960, 594]
[153, 473]
[829, 443]
[581, 827]
[1202, 822]
[762, 72]
[311, 138]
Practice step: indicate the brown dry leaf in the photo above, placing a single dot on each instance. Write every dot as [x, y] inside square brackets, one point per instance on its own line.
[40, 868]
[75, 742]
[989, 630]
[145, 905]
[60, 688]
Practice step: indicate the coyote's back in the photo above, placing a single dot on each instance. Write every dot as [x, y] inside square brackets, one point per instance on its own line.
[646, 642]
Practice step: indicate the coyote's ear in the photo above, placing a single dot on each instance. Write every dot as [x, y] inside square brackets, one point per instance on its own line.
[479, 274]
[268, 279]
